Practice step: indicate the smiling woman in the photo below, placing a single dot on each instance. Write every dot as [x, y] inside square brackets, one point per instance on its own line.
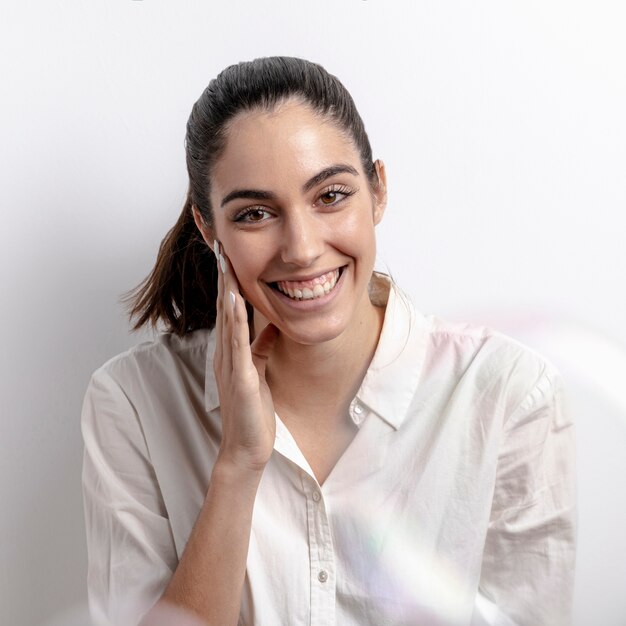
[297, 209]
[302, 446]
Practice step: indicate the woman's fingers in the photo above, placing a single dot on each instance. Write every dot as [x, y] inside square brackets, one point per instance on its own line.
[234, 325]
[248, 424]
[243, 367]
[229, 285]
[219, 332]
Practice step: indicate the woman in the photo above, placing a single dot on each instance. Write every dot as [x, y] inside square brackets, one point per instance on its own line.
[302, 446]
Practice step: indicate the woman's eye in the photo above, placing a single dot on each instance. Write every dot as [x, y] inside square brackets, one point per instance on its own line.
[334, 196]
[329, 197]
[256, 214]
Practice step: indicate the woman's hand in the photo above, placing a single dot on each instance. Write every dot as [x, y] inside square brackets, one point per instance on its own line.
[247, 410]
[209, 577]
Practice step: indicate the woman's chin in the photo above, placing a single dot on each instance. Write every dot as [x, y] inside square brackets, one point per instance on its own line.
[312, 333]
[311, 329]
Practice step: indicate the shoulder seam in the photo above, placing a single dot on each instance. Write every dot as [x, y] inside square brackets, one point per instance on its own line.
[154, 344]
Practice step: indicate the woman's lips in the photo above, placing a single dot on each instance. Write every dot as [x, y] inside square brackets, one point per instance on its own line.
[310, 289]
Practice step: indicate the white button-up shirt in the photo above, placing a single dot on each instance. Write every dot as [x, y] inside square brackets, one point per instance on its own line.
[453, 505]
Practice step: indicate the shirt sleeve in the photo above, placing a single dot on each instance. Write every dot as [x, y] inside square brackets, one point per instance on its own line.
[527, 574]
[131, 551]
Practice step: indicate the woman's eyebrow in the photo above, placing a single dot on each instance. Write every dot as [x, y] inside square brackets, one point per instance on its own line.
[327, 172]
[258, 194]
[254, 194]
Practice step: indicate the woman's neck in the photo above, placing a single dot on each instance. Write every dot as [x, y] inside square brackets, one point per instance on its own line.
[324, 377]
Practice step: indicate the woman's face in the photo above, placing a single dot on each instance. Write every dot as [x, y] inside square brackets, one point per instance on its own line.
[295, 214]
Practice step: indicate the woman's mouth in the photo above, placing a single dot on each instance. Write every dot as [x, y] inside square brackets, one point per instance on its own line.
[309, 289]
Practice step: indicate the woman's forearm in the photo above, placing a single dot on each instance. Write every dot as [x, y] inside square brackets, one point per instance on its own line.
[208, 581]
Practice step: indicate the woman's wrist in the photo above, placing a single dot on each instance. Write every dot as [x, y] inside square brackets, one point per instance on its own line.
[232, 470]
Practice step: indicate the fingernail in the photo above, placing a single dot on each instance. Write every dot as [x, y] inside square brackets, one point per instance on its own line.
[232, 299]
[222, 264]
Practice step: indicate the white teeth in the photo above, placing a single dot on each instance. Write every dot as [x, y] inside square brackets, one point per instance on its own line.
[306, 293]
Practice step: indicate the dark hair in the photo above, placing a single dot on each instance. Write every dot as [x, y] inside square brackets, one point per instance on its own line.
[181, 290]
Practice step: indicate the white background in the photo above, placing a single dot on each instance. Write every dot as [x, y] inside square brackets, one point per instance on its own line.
[503, 129]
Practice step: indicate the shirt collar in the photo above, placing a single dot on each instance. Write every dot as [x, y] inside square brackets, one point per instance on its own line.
[393, 375]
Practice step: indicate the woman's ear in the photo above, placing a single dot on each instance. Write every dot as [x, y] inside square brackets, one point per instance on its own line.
[203, 227]
[380, 191]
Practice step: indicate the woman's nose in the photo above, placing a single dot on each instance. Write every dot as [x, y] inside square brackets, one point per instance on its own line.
[303, 240]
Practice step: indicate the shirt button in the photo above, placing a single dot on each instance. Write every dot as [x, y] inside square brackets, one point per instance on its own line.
[316, 496]
[322, 576]
[358, 409]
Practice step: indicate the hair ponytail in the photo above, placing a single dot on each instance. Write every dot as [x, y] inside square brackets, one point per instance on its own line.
[181, 290]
